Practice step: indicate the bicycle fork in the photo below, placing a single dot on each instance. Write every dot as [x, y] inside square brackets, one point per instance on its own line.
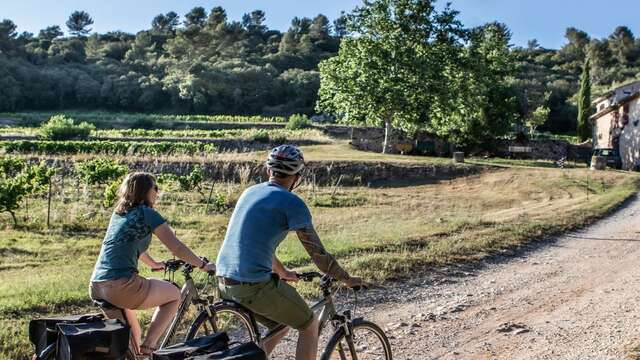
[345, 323]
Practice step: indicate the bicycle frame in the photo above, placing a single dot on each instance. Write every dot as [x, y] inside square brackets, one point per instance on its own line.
[188, 295]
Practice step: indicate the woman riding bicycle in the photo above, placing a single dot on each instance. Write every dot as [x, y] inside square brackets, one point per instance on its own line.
[115, 276]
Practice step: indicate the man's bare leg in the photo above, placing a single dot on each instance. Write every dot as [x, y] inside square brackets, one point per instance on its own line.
[270, 344]
[308, 342]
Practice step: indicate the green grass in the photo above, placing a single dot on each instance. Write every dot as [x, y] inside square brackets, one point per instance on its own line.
[380, 234]
[525, 163]
[573, 139]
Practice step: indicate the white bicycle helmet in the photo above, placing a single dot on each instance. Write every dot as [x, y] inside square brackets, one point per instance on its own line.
[285, 159]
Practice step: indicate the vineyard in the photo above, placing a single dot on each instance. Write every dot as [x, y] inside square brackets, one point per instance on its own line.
[58, 186]
[138, 119]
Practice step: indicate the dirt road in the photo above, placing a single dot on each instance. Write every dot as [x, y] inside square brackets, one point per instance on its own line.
[575, 297]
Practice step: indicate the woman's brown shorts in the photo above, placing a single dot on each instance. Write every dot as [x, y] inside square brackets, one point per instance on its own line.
[126, 293]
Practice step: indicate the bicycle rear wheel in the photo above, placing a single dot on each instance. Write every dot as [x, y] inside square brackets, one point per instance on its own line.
[367, 341]
[226, 318]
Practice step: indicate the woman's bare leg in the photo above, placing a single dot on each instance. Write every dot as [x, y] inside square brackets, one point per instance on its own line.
[136, 331]
[166, 297]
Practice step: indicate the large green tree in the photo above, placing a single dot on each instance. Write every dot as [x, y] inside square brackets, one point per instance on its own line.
[584, 104]
[485, 102]
[395, 69]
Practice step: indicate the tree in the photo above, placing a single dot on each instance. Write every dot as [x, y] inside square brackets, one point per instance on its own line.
[340, 26]
[485, 106]
[320, 28]
[622, 44]
[577, 41]
[217, 17]
[50, 33]
[7, 35]
[395, 71]
[584, 104]
[196, 17]
[537, 118]
[533, 45]
[165, 23]
[79, 22]
[254, 22]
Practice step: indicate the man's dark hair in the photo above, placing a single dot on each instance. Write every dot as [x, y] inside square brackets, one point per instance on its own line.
[279, 175]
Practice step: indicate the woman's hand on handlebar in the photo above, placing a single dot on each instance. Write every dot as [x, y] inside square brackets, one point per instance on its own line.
[289, 275]
[159, 266]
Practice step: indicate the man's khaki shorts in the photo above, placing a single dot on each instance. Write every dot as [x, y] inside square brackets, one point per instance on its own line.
[125, 293]
[273, 302]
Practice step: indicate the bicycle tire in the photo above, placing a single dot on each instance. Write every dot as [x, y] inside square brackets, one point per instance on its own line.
[222, 308]
[331, 350]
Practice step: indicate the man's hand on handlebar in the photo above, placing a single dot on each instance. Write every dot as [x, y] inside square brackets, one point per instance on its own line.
[209, 268]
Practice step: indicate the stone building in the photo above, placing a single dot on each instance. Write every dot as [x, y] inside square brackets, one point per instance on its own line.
[616, 123]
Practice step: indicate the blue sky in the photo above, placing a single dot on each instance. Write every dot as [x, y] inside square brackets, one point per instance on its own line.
[545, 20]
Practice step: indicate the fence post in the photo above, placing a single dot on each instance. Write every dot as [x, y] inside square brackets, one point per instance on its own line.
[206, 208]
[335, 188]
[49, 204]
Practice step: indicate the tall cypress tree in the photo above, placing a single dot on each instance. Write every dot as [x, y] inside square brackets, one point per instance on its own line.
[584, 103]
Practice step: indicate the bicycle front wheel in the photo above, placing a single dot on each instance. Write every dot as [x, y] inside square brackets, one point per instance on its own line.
[225, 318]
[366, 342]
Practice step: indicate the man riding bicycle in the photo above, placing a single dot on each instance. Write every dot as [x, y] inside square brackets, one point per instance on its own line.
[249, 271]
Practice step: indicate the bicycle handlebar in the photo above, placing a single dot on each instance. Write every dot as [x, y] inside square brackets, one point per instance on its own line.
[309, 276]
[325, 281]
[175, 265]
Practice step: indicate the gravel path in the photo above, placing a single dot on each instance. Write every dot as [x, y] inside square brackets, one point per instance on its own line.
[574, 297]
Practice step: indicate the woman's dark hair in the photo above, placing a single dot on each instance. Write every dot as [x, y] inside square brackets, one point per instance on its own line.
[133, 191]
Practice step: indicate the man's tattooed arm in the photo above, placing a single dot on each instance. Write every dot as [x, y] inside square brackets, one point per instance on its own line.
[325, 261]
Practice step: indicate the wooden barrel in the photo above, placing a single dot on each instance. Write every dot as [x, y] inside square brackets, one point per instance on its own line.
[598, 163]
[458, 157]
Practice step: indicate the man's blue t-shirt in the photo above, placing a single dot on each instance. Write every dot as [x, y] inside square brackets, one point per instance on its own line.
[263, 216]
[127, 237]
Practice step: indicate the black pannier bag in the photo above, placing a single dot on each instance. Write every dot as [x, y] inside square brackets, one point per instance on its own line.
[199, 346]
[103, 340]
[44, 332]
[248, 351]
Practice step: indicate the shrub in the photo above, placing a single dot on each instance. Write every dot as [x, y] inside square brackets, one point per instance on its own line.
[298, 121]
[111, 193]
[193, 181]
[60, 127]
[17, 180]
[261, 136]
[101, 171]
[219, 203]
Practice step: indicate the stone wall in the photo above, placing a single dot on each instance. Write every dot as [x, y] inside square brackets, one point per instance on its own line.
[326, 173]
[372, 139]
[546, 150]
